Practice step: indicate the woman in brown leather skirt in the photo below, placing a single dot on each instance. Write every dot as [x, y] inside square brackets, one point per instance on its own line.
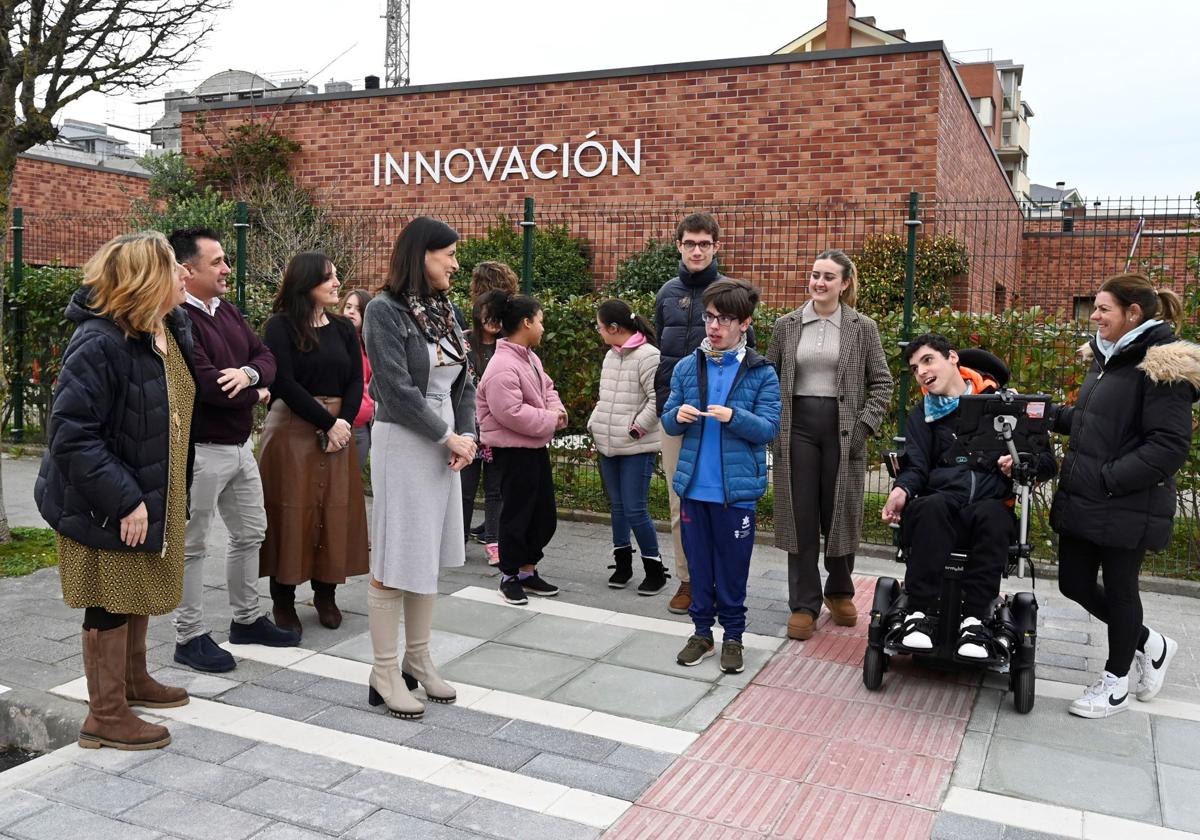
[312, 487]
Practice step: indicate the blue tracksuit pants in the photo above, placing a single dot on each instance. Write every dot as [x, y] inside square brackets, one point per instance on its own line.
[718, 540]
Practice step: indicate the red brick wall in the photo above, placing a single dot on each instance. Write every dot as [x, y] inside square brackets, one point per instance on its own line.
[71, 210]
[982, 80]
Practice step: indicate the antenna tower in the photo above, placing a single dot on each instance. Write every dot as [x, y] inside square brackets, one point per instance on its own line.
[399, 31]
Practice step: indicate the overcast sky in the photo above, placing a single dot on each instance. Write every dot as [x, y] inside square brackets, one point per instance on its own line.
[1113, 85]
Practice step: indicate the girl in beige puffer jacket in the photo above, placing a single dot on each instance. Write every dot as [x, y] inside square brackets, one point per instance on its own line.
[625, 428]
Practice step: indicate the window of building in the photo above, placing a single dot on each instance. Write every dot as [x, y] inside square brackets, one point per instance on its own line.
[984, 109]
[1083, 306]
[1007, 130]
[1008, 81]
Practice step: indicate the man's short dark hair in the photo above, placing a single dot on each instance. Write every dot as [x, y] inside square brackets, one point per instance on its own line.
[738, 298]
[934, 341]
[184, 241]
[698, 223]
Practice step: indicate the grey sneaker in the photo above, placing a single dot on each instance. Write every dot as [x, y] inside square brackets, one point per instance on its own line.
[697, 649]
[731, 657]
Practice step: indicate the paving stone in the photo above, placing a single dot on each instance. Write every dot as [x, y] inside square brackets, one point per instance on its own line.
[1126, 735]
[16, 805]
[197, 684]
[703, 713]
[408, 796]
[195, 778]
[508, 823]
[387, 825]
[194, 819]
[283, 801]
[379, 725]
[643, 760]
[1091, 781]
[561, 741]
[948, 826]
[285, 679]
[64, 821]
[280, 831]
[28, 673]
[1176, 741]
[490, 751]
[338, 692]
[987, 706]
[656, 698]
[473, 618]
[656, 652]
[453, 716]
[1078, 637]
[204, 744]
[443, 645]
[587, 775]
[1180, 805]
[294, 706]
[248, 670]
[286, 765]
[968, 767]
[91, 789]
[49, 627]
[532, 673]
[1014, 833]
[1061, 660]
[116, 762]
[569, 636]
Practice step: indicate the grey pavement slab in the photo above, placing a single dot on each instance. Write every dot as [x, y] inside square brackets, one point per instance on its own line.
[92, 789]
[379, 725]
[272, 762]
[1126, 735]
[408, 796]
[643, 760]
[490, 751]
[657, 651]
[28, 673]
[337, 692]
[443, 645]
[530, 672]
[453, 716]
[197, 684]
[708, 709]
[1177, 741]
[304, 806]
[986, 708]
[287, 680]
[194, 819]
[473, 618]
[116, 762]
[506, 822]
[46, 651]
[1091, 781]
[16, 805]
[388, 825]
[283, 704]
[968, 767]
[572, 637]
[1180, 805]
[656, 698]
[280, 831]
[204, 744]
[562, 741]
[66, 822]
[193, 777]
[948, 826]
[586, 775]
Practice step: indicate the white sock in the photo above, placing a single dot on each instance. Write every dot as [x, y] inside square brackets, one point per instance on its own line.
[1154, 646]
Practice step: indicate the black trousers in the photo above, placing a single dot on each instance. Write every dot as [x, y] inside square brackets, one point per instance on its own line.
[1115, 601]
[528, 516]
[815, 451]
[490, 474]
[98, 618]
[934, 526]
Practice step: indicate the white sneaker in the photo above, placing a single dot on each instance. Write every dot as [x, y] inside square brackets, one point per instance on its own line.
[1152, 665]
[971, 650]
[1108, 696]
[917, 639]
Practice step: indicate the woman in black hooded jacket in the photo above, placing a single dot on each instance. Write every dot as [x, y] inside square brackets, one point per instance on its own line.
[1130, 429]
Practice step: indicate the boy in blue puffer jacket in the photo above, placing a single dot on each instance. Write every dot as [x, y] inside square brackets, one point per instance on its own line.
[725, 403]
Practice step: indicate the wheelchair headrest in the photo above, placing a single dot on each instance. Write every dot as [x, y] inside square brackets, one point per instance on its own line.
[986, 363]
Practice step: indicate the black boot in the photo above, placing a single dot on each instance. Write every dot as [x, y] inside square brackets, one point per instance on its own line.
[656, 576]
[623, 557]
[283, 597]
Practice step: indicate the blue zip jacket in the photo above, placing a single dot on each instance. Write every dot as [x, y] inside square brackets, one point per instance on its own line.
[756, 406]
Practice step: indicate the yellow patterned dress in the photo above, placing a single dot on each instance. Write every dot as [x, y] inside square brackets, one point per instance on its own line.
[141, 583]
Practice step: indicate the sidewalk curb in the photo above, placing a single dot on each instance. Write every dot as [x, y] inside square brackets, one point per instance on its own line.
[38, 721]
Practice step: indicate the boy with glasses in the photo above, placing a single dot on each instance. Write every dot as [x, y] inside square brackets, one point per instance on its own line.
[724, 408]
[677, 320]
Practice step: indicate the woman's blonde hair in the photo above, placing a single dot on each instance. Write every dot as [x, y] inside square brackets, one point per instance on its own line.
[849, 295]
[132, 277]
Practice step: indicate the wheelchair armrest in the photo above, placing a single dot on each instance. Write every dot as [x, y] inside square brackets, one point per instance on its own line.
[894, 461]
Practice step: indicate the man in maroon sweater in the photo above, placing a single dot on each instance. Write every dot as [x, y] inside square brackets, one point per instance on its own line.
[233, 371]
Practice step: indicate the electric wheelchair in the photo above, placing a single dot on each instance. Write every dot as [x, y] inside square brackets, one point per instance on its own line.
[988, 426]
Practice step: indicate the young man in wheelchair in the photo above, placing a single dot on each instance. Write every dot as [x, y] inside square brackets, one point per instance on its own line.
[947, 500]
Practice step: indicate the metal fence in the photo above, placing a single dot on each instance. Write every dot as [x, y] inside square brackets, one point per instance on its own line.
[1018, 280]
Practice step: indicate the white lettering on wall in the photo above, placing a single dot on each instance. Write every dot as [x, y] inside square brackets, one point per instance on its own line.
[589, 159]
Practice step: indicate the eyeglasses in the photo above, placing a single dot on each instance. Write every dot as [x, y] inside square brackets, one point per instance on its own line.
[692, 245]
[723, 320]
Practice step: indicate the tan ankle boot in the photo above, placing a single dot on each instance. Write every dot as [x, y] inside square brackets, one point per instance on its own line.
[417, 665]
[386, 683]
[109, 722]
[140, 688]
[844, 613]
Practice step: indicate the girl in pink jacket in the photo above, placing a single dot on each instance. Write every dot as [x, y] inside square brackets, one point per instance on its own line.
[518, 412]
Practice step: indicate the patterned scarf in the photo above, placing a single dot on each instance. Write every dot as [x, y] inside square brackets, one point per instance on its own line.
[434, 316]
[721, 356]
[938, 406]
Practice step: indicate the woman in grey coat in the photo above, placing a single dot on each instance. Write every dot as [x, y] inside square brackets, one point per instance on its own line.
[831, 363]
[424, 434]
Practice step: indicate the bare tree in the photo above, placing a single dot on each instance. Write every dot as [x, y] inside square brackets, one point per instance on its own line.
[52, 52]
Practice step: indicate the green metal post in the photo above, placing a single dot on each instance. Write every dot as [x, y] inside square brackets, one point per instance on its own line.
[241, 225]
[18, 312]
[910, 271]
[527, 227]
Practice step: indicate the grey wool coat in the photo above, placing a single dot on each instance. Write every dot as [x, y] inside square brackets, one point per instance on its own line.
[864, 386]
[626, 397]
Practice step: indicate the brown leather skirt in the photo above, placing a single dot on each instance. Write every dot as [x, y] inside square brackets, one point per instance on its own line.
[316, 514]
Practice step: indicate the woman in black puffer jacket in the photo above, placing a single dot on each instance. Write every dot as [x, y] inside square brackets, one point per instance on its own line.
[1130, 429]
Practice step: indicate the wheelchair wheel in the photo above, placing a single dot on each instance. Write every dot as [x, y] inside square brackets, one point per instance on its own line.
[1022, 689]
[874, 663]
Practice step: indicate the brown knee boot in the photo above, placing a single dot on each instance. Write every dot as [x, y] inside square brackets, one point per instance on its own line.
[283, 597]
[109, 722]
[140, 688]
[327, 609]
